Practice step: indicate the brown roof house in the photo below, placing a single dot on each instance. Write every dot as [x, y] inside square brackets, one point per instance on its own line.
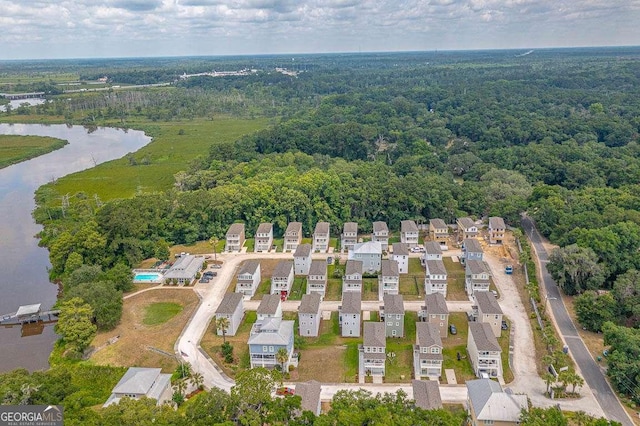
[496, 229]
[292, 236]
[435, 311]
[488, 310]
[321, 237]
[467, 228]
[309, 393]
[438, 231]
[263, 238]
[234, 237]
[426, 394]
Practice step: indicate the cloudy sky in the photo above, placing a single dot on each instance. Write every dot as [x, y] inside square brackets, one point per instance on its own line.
[121, 28]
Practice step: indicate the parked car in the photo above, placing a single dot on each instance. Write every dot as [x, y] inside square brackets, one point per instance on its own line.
[418, 249]
[216, 265]
[504, 325]
[453, 329]
[285, 391]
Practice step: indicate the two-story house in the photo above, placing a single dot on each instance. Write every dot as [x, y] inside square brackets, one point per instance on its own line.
[263, 238]
[381, 234]
[471, 250]
[427, 352]
[409, 233]
[432, 251]
[401, 256]
[309, 315]
[292, 236]
[476, 276]
[234, 237]
[270, 306]
[349, 313]
[369, 253]
[372, 352]
[392, 315]
[267, 337]
[488, 310]
[321, 237]
[438, 231]
[488, 404]
[484, 350]
[230, 308]
[317, 279]
[352, 280]
[282, 279]
[496, 229]
[389, 278]
[249, 278]
[349, 236]
[467, 228]
[302, 259]
[426, 394]
[436, 312]
[435, 279]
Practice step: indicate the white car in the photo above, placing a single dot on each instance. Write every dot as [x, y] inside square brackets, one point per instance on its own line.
[418, 249]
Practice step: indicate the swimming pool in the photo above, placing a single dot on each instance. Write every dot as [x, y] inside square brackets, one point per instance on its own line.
[147, 277]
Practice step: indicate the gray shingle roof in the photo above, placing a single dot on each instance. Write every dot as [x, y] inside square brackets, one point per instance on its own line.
[472, 245]
[368, 247]
[350, 227]
[380, 227]
[393, 304]
[137, 380]
[389, 268]
[235, 229]
[432, 247]
[374, 334]
[496, 223]
[437, 223]
[353, 267]
[436, 267]
[436, 304]
[229, 303]
[318, 267]
[351, 302]
[400, 249]
[475, 266]
[303, 250]
[282, 269]
[428, 334]
[408, 226]
[484, 337]
[281, 337]
[249, 267]
[322, 228]
[264, 228]
[309, 392]
[466, 222]
[294, 227]
[269, 304]
[426, 393]
[310, 304]
[490, 402]
[487, 303]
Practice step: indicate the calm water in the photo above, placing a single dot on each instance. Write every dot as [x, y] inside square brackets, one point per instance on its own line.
[23, 265]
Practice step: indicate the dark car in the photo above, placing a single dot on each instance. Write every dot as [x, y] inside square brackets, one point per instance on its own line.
[453, 329]
[504, 325]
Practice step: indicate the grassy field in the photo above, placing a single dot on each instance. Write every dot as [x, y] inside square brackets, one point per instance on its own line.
[455, 280]
[161, 312]
[399, 369]
[454, 344]
[14, 149]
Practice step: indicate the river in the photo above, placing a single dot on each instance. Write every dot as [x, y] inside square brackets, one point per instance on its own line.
[23, 265]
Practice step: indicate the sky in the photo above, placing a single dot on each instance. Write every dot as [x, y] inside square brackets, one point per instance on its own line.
[44, 29]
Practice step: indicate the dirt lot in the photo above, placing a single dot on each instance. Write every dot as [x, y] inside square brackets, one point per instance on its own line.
[135, 337]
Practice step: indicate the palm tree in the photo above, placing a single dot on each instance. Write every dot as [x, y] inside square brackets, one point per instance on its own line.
[282, 356]
[222, 324]
[575, 381]
[180, 386]
[548, 379]
[197, 380]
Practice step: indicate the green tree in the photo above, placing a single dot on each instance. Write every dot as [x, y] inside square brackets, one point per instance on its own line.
[535, 416]
[122, 276]
[197, 380]
[253, 388]
[104, 299]
[282, 356]
[575, 269]
[75, 325]
[222, 325]
[74, 261]
[161, 250]
[593, 309]
[626, 292]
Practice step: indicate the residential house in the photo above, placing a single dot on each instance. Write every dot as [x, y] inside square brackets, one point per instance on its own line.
[435, 279]
[317, 279]
[381, 234]
[349, 236]
[270, 306]
[487, 310]
[309, 393]
[282, 279]
[235, 237]
[184, 270]
[321, 237]
[352, 280]
[488, 404]
[263, 238]
[349, 313]
[466, 228]
[427, 352]
[302, 259]
[249, 278]
[372, 352]
[292, 236]
[438, 231]
[369, 253]
[389, 278]
[432, 251]
[401, 256]
[392, 315]
[471, 250]
[497, 229]
[484, 350]
[267, 337]
[436, 312]
[426, 394]
[476, 276]
[409, 233]
[231, 308]
[140, 382]
[309, 314]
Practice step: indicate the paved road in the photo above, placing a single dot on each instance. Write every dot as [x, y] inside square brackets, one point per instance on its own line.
[587, 366]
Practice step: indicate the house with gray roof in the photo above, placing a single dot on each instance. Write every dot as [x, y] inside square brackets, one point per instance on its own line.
[436, 312]
[369, 253]
[317, 279]
[467, 228]
[321, 237]
[292, 236]
[401, 255]
[231, 308]
[484, 350]
[267, 337]
[488, 404]
[438, 231]
[349, 236]
[471, 250]
[409, 233]
[349, 313]
[282, 279]
[435, 279]
[249, 278]
[352, 280]
[392, 315]
[309, 393]
[234, 237]
[140, 382]
[476, 276]
[388, 279]
[432, 251]
[496, 230]
[426, 394]
[309, 315]
[184, 270]
[270, 306]
[488, 310]
[263, 238]
[427, 352]
[381, 234]
[372, 352]
[302, 259]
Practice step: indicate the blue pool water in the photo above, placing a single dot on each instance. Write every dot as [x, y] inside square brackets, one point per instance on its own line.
[147, 277]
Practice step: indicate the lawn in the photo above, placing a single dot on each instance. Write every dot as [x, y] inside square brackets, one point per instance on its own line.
[504, 345]
[455, 280]
[412, 287]
[454, 344]
[161, 312]
[14, 148]
[267, 267]
[400, 369]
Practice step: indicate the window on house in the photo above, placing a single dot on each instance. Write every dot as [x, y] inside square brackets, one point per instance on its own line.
[393, 332]
[270, 348]
[264, 349]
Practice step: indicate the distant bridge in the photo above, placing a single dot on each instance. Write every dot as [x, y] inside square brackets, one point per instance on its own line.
[17, 96]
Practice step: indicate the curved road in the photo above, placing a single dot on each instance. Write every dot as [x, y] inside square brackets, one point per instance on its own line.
[590, 370]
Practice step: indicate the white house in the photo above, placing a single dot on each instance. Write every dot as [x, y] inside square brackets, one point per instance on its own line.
[409, 233]
[476, 276]
[381, 234]
[302, 259]
[282, 279]
[471, 250]
[292, 236]
[349, 235]
[401, 256]
[249, 278]
[427, 352]
[487, 310]
[349, 313]
[317, 279]
[352, 280]
[270, 306]
[231, 308]
[389, 278]
[435, 279]
[488, 404]
[234, 237]
[372, 352]
[184, 270]
[140, 382]
[309, 315]
[369, 253]
[321, 237]
[484, 350]
[263, 238]
[497, 229]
